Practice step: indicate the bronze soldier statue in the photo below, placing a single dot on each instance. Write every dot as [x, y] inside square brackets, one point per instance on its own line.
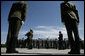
[29, 39]
[69, 16]
[16, 18]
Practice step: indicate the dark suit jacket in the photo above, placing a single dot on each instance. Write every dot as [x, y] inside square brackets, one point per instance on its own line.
[69, 11]
[60, 37]
[29, 35]
[18, 10]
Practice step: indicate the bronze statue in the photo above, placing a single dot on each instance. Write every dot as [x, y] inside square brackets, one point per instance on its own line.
[69, 16]
[16, 18]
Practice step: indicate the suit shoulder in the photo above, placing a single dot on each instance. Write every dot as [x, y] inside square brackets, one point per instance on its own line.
[62, 3]
[16, 3]
[26, 5]
[71, 4]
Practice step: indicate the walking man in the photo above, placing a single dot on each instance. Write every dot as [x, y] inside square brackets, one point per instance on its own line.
[29, 39]
[60, 40]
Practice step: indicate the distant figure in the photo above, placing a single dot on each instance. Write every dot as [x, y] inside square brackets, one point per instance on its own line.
[60, 40]
[55, 43]
[23, 43]
[64, 44]
[29, 39]
[47, 43]
[38, 43]
[81, 44]
[16, 18]
[42, 43]
[69, 16]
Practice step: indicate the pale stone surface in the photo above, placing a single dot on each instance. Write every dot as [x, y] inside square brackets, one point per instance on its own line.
[35, 51]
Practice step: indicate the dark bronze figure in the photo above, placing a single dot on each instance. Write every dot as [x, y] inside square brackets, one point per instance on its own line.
[69, 16]
[16, 18]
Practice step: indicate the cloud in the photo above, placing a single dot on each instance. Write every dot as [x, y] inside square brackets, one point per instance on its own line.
[22, 32]
[43, 32]
[46, 32]
[4, 32]
[49, 31]
[81, 28]
[3, 37]
[52, 32]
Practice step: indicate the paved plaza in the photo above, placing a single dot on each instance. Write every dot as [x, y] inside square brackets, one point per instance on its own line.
[35, 51]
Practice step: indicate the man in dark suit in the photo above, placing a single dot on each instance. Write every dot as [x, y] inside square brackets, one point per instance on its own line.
[39, 43]
[16, 18]
[47, 43]
[69, 16]
[55, 43]
[60, 40]
[29, 39]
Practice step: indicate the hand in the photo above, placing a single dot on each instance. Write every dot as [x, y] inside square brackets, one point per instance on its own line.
[77, 22]
[63, 22]
[22, 22]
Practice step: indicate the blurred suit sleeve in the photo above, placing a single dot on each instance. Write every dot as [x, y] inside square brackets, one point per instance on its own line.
[62, 13]
[24, 12]
[76, 12]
